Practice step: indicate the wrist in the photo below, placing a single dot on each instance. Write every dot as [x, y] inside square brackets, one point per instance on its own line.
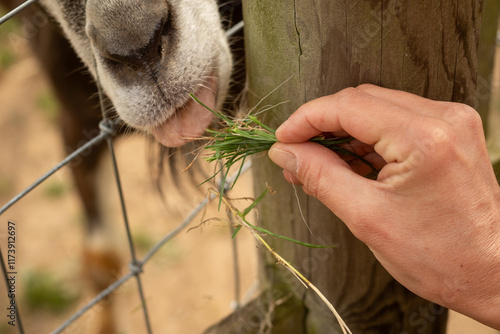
[479, 294]
[484, 308]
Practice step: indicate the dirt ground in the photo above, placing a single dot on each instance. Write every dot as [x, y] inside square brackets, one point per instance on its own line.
[188, 284]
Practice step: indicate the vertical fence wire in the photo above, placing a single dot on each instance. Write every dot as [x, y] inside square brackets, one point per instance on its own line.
[234, 243]
[106, 127]
[134, 265]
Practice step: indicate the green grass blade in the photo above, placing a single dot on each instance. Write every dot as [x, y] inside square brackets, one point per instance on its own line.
[306, 244]
[239, 171]
[236, 230]
[254, 203]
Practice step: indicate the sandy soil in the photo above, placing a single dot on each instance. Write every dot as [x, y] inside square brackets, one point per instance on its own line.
[188, 285]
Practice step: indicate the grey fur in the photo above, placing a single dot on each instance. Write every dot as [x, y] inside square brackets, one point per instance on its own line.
[147, 82]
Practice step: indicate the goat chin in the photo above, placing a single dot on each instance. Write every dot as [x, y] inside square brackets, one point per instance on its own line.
[189, 121]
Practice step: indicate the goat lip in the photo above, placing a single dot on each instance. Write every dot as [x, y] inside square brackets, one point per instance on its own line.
[189, 121]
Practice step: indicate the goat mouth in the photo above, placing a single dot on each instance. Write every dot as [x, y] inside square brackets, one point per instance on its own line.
[190, 120]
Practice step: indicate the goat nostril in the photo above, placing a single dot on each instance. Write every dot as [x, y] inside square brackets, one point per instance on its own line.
[160, 50]
[148, 54]
[129, 32]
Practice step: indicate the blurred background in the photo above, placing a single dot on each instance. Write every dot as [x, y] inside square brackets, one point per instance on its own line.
[188, 285]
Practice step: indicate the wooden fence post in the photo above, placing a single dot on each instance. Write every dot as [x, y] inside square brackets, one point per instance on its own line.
[313, 48]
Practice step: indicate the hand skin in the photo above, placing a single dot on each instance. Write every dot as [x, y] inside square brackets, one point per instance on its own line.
[432, 217]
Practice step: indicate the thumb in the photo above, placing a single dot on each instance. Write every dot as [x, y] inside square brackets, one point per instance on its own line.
[324, 175]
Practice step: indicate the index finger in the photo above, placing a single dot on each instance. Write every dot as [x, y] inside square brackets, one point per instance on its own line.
[353, 110]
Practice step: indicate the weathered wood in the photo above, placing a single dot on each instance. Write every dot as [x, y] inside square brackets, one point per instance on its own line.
[313, 48]
[263, 314]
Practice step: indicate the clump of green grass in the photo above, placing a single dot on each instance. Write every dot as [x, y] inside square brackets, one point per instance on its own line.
[7, 55]
[143, 241]
[44, 291]
[48, 103]
[240, 138]
[55, 189]
[237, 139]
[7, 58]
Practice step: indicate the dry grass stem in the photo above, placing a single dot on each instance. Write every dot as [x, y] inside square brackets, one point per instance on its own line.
[241, 220]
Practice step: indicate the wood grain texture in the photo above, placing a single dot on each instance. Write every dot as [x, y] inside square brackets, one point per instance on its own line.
[307, 49]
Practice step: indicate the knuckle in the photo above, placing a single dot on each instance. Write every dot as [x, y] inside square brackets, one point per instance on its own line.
[473, 120]
[348, 93]
[464, 116]
[436, 140]
[441, 133]
[366, 86]
[348, 96]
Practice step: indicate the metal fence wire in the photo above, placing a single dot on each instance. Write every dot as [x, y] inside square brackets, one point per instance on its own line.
[107, 132]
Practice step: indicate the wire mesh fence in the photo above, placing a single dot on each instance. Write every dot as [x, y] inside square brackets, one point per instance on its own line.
[106, 134]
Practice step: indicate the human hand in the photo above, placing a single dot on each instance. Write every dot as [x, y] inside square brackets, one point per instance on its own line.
[432, 217]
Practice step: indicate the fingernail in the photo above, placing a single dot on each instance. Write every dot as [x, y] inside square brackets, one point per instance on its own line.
[284, 159]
